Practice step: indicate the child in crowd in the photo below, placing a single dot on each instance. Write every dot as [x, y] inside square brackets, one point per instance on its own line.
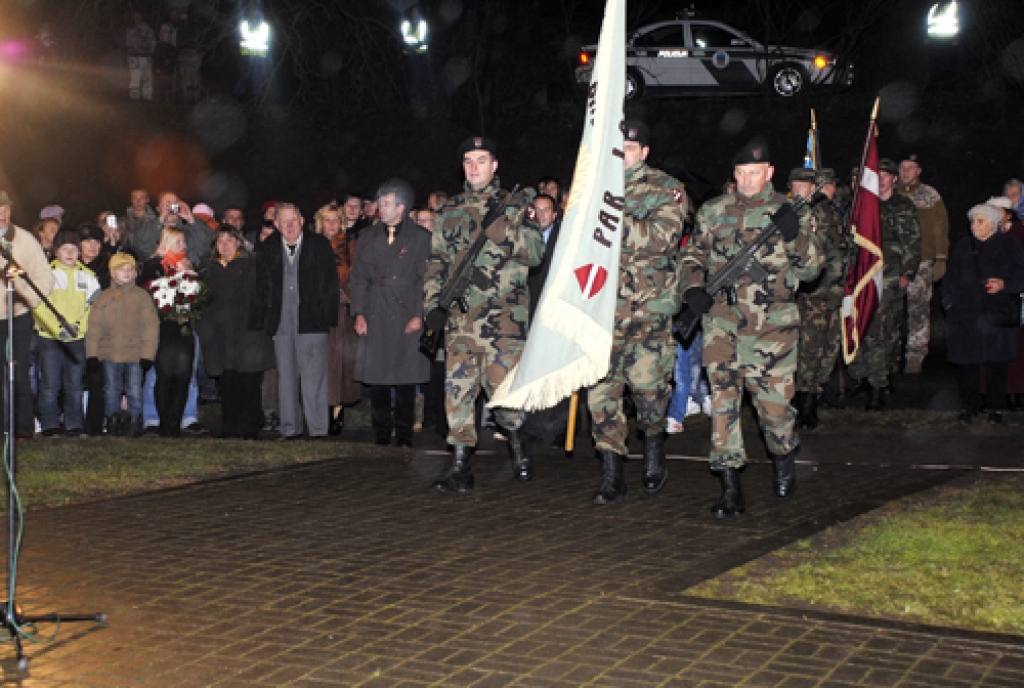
[61, 353]
[124, 331]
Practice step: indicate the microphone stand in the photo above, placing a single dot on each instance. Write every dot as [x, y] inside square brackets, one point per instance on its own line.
[11, 618]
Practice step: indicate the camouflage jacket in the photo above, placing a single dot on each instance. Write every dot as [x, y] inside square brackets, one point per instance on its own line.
[901, 238]
[931, 212]
[652, 231]
[828, 286]
[724, 226]
[498, 305]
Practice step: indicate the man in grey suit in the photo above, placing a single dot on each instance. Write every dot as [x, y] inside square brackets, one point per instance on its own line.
[386, 288]
[304, 302]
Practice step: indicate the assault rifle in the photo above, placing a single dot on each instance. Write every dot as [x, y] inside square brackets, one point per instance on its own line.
[464, 274]
[743, 263]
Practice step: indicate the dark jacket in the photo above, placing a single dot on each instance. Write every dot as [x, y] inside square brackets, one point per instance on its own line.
[386, 287]
[538, 274]
[319, 292]
[971, 339]
[232, 326]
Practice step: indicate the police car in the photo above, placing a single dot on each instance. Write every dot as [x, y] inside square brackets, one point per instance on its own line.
[690, 56]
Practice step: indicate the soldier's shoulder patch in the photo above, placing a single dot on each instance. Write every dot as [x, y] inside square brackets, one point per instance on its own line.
[531, 214]
[677, 196]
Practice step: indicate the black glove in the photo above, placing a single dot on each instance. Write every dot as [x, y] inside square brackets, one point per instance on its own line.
[699, 300]
[92, 365]
[787, 222]
[145, 364]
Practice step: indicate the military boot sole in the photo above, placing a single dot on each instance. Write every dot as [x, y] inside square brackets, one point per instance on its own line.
[450, 486]
[721, 511]
[651, 487]
[602, 499]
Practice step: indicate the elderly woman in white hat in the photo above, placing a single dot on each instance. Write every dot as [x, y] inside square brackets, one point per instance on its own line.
[984, 269]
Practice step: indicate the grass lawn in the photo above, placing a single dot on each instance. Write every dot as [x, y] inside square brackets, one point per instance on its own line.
[952, 557]
[60, 471]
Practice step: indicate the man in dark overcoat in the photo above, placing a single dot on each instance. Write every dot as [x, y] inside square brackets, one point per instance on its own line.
[387, 305]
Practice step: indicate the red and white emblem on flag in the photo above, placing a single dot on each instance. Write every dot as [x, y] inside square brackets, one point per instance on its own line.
[591, 279]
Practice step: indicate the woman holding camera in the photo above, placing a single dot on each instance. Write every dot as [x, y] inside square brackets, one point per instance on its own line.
[984, 270]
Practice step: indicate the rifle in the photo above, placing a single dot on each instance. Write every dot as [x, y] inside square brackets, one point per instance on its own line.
[743, 263]
[465, 273]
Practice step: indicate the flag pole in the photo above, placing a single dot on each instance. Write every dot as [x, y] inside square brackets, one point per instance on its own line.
[815, 163]
[864, 155]
[570, 431]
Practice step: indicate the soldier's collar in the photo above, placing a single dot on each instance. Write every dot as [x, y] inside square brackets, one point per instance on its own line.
[492, 188]
[757, 199]
[636, 172]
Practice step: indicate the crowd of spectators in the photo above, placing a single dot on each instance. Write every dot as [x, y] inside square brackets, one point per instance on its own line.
[291, 321]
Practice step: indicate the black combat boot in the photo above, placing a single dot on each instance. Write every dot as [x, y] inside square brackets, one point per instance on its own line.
[460, 477]
[809, 412]
[613, 480]
[731, 502]
[876, 401]
[655, 472]
[522, 464]
[784, 474]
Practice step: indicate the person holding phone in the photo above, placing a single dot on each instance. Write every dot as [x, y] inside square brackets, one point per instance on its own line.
[173, 212]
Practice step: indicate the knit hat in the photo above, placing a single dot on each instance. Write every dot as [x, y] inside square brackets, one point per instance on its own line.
[205, 213]
[90, 231]
[64, 237]
[50, 212]
[119, 260]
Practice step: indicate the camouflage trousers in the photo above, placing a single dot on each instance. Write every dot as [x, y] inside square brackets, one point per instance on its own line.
[878, 354]
[820, 339]
[472, 364]
[643, 357]
[762, 364]
[919, 312]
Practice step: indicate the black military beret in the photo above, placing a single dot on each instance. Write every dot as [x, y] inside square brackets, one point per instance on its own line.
[754, 152]
[912, 157]
[478, 143]
[888, 165]
[827, 175]
[802, 174]
[635, 130]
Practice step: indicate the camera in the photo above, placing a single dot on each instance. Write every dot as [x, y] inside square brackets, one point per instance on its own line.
[175, 207]
[111, 221]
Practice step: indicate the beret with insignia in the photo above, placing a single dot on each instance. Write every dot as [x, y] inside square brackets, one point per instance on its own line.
[635, 130]
[888, 165]
[754, 152]
[475, 143]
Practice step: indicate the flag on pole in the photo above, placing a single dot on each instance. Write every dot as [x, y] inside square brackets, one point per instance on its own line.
[570, 340]
[864, 279]
[812, 158]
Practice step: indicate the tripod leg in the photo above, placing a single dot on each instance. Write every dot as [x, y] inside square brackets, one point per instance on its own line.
[98, 617]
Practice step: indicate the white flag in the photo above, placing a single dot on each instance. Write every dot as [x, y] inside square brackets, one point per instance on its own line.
[570, 340]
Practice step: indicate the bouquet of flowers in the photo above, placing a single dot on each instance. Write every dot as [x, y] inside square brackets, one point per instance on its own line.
[178, 296]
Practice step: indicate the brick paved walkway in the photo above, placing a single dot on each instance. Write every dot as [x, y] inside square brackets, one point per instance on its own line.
[354, 573]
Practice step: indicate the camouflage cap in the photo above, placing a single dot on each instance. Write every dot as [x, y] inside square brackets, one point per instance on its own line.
[754, 152]
[635, 130]
[802, 174]
[475, 143]
[888, 165]
[826, 175]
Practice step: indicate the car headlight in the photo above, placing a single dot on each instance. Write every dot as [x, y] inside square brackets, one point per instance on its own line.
[584, 59]
[821, 62]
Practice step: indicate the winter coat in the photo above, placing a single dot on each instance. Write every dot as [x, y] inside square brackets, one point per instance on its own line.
[73, 291]
[232, 326]
[319, 293]
[29, 254]
[971, 339]
[386, 286]
[123, 325]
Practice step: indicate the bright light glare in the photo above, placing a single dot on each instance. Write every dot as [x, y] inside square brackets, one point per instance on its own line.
[943, 20]
[255, 39]
[821, 62]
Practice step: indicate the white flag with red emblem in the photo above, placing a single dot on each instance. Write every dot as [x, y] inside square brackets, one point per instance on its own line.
[570, 340]
[864, 280]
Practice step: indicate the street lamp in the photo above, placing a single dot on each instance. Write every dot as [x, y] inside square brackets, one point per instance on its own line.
[943, 20]
[255, 37]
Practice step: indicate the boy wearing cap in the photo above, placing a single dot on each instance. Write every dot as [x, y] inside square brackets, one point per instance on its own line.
[61, 353]
[750, 334]
[124, 332]
[484, 343]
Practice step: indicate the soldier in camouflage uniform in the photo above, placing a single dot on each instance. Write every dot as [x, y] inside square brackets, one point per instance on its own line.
[901, 254]
[643, 351]
[931, 211]
[819, 300]
[485, 343]
[750, 343]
